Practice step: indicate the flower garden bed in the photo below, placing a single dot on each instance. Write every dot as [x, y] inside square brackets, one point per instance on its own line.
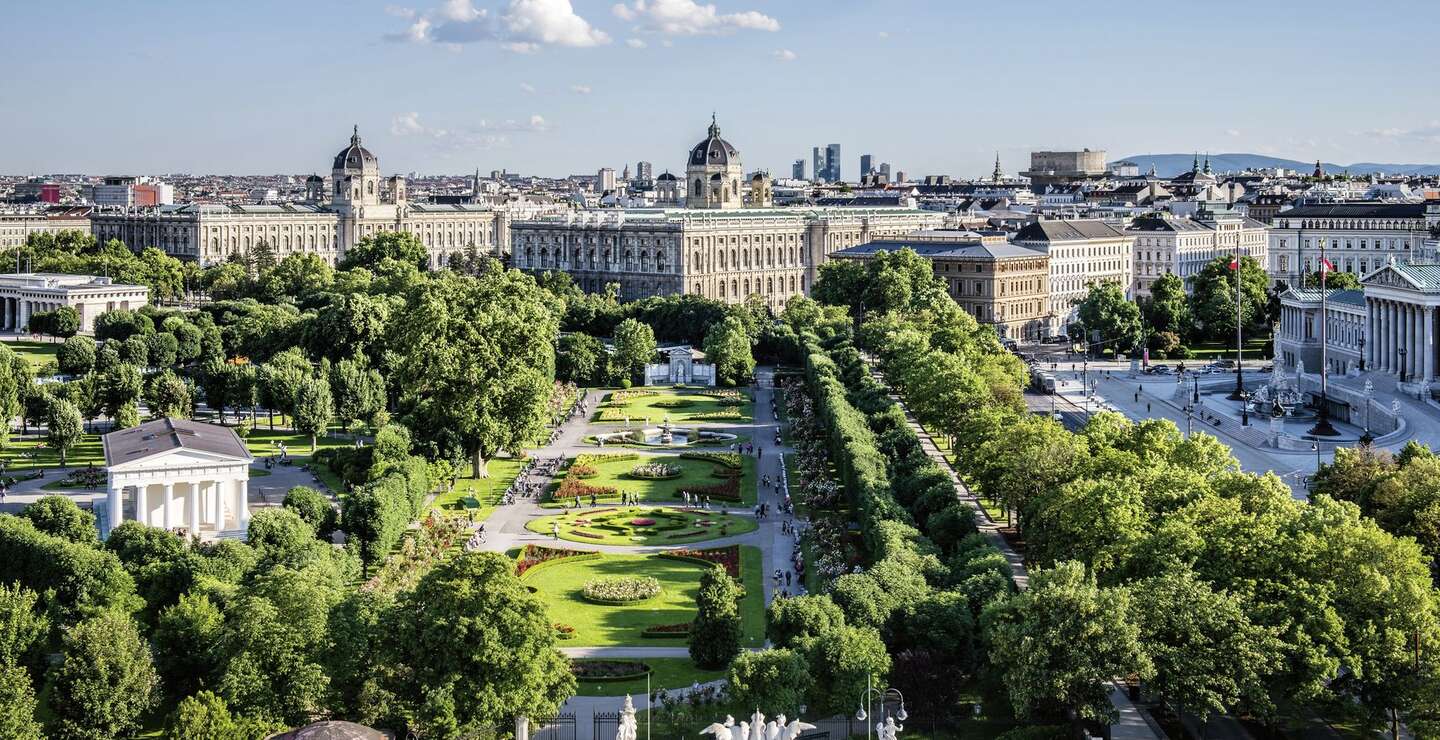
[725, 414]
[731, 460]
[656, 471]
[535, 555]
[564, 631]
[726, 557]
[608, 670]
[699, 470]
[621, 591]
[729, 490]
[642, 525]
[622, 396]
[662, 631]
[673, 403]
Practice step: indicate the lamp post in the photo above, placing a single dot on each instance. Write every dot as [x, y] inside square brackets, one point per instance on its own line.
[1244, 409]
[1366, 438]
[1402, 364]
[866, 700]
[1239, 391]
[1195, 380]
[1362, 354]
[1322, 427]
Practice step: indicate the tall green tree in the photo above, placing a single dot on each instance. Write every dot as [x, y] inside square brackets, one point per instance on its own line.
[358, 391]
[371, 251]
[475, 362]
[313, 408]
[76, 356]
[59, 516]
[727, 345]
[775, 681]
[1110, 318]
[17, 704]
[24, 628]
[1168, 308]
[1057, 644]
[105, 682]
[634, 347]
[1213, 296]
[715, 634]
[168, 395]
[63, 427]
[471, 647]
[580, 359]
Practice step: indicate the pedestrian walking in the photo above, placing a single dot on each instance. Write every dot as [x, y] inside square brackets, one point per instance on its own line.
[554, 530]
[1147, 407]
[787, 579]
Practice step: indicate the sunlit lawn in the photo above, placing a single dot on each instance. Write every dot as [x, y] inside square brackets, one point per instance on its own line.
[599, 625]
[692, 405]
[38, 354]
[671, 526]
[480, 495]
[665, 673]
[31, 452]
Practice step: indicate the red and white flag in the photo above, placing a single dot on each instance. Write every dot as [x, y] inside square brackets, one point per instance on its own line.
[1234, 263]
[1325, 266]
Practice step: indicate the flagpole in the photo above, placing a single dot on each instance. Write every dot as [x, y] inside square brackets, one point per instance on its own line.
[1322, 427]
[1239, 393]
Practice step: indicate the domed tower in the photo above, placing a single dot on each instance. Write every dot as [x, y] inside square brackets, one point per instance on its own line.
[315, 189]
[713, 174]
[669, 190]
[761, 196]
[356, 175]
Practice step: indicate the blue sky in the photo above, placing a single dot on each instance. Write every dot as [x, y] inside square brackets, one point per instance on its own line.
[557, 87]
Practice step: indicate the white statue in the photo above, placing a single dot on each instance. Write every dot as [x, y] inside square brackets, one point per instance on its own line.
[888, 730]
[627, 721]
[758, 729]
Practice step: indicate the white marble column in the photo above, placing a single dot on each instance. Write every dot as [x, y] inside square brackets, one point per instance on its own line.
[1392, 319]
[194, 501]
[1427, 344]
[167, 514]
[142, 506]
[116, 505]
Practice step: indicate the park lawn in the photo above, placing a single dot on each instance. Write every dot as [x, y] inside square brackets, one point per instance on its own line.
[485, 491]
[18, 454]
[616, 473]
[1212, 350]
[597, 625]
[643, 407]
[575, 522]
[261, 442]
[665, 673]
[38, 354]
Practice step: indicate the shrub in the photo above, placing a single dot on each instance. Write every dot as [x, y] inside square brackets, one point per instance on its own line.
[681, 629]
[609, 670]
[1181, 353]
[656, 471]
[727, 491]
[715, 635]
[575, 488]
[583, 471]
[725, 557]
[564, 631]
[622, 590]
[727, 459]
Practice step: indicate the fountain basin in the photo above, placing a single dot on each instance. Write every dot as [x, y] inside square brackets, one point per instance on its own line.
[663, 436]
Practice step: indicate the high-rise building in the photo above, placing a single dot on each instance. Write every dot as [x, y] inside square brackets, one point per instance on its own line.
[832, 163]
[817, 163]
[866, 160]
[885, 169]
[644, 171]
[605, 180]
[797, 170]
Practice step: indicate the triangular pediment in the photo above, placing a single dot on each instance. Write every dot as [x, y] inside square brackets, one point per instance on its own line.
[176, 459]
[1390, 277]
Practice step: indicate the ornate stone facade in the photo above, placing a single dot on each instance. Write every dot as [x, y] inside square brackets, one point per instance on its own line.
[360, 204]
[715, 248]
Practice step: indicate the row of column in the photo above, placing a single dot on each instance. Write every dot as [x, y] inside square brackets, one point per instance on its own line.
[1395, 325]
[15, 313]
[206, 503]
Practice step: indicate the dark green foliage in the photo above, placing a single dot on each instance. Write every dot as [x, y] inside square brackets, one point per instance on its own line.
[59, 516]
[83, 578]
[715, 633]
[314, 507]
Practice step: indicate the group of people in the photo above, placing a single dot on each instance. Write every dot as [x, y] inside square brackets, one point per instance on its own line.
[695, 500]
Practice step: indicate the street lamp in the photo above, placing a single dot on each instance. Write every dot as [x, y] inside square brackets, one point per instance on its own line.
[1367, 438]
[1362, 354]
[866, 699]
[1402, 364]
[1244, 409]
[1315, 447]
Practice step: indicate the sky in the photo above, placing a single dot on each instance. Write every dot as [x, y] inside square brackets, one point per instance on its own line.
[558, 87]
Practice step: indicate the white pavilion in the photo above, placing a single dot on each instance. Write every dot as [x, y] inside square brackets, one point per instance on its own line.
[184, 474]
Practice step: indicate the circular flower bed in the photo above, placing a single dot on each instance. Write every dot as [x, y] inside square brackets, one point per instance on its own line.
[656, 471]
[675, 403]
[609, 670]
[642, 522]
[626, 590]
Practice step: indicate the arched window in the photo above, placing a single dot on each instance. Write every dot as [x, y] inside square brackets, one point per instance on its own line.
[770, 285]
[699, 188]
[370, 188]
[699, 290]
[699, 265]
[747, 286]
[722, 288]
[735, 288]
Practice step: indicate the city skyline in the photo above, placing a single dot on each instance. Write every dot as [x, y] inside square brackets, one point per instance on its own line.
[554, 88]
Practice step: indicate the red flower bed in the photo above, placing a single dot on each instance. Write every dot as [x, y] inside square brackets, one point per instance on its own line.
[729, 557]
[575, 488]
[728, 491]
[534, 555]
[642, 522]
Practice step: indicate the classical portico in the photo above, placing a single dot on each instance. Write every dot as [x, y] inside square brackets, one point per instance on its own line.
[1401, 302]
[178, 474]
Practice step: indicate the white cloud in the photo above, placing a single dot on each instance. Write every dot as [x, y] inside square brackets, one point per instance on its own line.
[784, 55]
[1428, 132]
[1232, 132]
[524, 26]
[399, 11]
[883, 34]
[526, 87]
[689, 18]
[484, 135]
[635, 43]
[580, 89]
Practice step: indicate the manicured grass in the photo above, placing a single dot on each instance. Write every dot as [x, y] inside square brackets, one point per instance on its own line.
[597, 625]
[673, 526]
[665, 673]
[717, 445]
[481, 495]
[262, 442]
[33, 452]
[616, 473]
[38, 354]
[1226, 350]
[648, 403]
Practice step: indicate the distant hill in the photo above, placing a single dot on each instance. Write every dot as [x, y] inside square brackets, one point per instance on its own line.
[1170, 165]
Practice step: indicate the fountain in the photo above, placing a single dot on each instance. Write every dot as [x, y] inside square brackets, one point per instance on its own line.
[665, 435]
